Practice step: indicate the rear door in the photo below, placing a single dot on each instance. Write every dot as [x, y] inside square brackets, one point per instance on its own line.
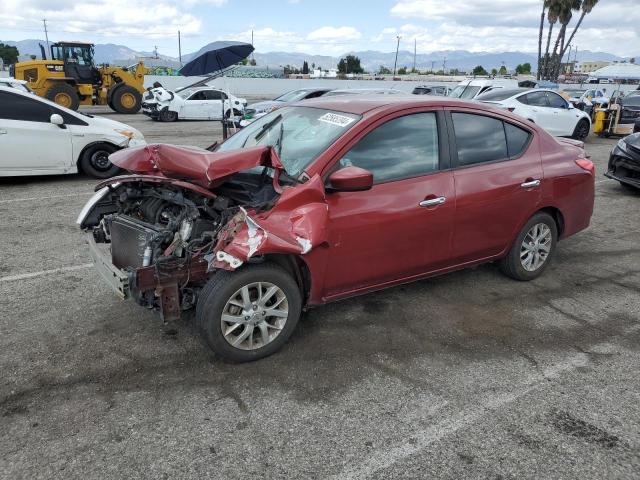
[402, 226]
[564, 118]
[541, 111]
[28, 140]
[497, 178]
[195, 107]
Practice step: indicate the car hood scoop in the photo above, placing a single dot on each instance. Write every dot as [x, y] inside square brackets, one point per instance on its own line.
[193, 164]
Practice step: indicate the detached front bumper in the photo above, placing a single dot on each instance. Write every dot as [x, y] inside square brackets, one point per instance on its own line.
[150, 110]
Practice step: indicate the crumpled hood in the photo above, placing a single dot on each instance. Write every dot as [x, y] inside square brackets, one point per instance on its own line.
[193, 164]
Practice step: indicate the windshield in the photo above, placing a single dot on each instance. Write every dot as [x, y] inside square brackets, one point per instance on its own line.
[299, 134]
[292, 96]
[185, 93]
[464, 91]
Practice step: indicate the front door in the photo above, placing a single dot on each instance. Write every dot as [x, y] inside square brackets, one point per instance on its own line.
[543, 114]
[402, 226]
[28, 140]
[497, 176]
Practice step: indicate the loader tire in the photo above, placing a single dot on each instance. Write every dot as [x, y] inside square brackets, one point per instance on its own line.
[64, 95]
[126, 99]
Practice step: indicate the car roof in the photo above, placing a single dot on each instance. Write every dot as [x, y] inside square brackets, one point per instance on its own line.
[11, 80]
[361, 104]
[40, 99]
[503, 92]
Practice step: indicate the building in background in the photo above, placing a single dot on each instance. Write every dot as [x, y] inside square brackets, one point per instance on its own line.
[588, 66]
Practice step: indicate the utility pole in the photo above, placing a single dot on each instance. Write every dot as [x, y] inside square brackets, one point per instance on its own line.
[432, 65]
[46, 34]
[444, 65]
[179, 49]
[415, 47]
[395, 63]
[252, 57]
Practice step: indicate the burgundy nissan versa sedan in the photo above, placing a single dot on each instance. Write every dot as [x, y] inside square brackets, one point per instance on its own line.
[327, 199]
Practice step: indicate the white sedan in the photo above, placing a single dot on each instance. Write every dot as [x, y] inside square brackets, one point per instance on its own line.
[39, 137]
[197, 103]
[543, 107]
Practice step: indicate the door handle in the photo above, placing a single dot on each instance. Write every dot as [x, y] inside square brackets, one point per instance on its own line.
[432, 202]
[530, 184]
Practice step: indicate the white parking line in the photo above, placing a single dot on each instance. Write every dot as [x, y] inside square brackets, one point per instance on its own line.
[387, 457]
[30, 199]
[13, 278]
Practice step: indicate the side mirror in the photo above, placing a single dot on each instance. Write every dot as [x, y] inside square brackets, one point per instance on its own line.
[57, 119]
[350, 179]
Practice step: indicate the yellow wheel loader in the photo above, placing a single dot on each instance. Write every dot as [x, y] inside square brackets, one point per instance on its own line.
[70, 78]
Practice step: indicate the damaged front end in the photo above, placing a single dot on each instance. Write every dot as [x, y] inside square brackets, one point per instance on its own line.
[159, 234]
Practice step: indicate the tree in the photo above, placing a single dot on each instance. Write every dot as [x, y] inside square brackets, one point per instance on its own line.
[384, 70]
[523, 69]
[503, 70]
[350, 64]
[402, 71]
[8, 54]
[479, 70]
[305, 68]
[494, 72]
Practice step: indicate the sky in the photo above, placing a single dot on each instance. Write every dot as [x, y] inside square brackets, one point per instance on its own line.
[324, 27]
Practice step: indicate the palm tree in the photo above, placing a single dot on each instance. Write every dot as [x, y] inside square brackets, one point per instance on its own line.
[544, 8]
[565, 13]
[553, 11]
[587, 6]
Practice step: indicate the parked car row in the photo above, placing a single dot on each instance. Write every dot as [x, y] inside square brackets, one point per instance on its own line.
[40, 137]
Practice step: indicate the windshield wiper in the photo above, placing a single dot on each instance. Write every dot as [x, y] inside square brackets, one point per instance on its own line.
[266, 127]
[280, 139]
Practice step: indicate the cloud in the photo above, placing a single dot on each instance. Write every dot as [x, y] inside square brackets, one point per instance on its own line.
[334, 34]
[508, 25]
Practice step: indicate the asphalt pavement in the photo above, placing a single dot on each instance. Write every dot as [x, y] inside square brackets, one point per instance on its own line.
[467, 375]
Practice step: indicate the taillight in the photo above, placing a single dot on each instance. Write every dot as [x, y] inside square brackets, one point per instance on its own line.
[587, 165]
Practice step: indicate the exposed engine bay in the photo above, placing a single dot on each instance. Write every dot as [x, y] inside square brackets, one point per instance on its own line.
[166, 227]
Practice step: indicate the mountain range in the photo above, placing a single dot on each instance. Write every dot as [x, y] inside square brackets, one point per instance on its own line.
[371, 60]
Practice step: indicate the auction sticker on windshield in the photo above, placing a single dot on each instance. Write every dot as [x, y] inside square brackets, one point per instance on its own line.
[335, 119]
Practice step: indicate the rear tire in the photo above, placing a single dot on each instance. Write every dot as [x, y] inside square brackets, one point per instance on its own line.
[126, 99]
[64, 95]
[582, 130]
[168, 116]
[529, 256]
[224, 294]
[95, 161]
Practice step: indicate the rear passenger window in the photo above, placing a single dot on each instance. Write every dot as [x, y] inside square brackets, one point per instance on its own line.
[479, 139]
[401, 148]
[517, 139]
[537, 99]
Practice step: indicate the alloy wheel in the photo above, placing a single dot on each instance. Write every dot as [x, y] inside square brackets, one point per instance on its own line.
[254, 315]
[535, 247]
[100, 160]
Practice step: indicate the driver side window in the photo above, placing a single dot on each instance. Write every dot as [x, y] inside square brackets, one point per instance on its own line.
[401, 148]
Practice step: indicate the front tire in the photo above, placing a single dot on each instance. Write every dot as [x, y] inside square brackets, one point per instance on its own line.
[168, 116]
[126, 99]
[95, 161]
[533, 248]
[250, 313]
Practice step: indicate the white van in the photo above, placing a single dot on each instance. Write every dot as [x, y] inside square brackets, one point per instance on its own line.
[469, 89]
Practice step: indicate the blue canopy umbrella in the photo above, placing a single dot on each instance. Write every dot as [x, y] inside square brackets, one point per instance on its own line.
[215, 57]
[211, 61]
